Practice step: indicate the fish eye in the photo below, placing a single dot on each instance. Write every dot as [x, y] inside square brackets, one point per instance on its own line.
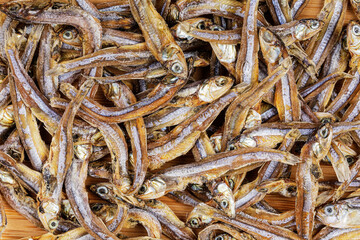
[220, 82]
[349, 158]
[142, 189]
[176, 67]
[219, 238]
[329, 210]
[324, 132]
[68, 35]
[53, 224]
[216, 28]
[356, 30]
[201, 26]
[194, 222]
[314, 24]
[224, 203]
[14, 7]
[102, 190]
[231, 147]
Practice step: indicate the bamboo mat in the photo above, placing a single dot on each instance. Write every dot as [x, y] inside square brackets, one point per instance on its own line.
[19, 227]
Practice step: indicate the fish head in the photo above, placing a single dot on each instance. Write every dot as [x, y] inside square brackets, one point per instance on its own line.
[224, 198]
[105, 211]
[215, 140]
[330, 214]
[323, 140]
[24, 9]
[200, 216]
[215, 87]
[355, 4]
[174, 13]
[174, 60]
[152, 188]
[290, 190]
[353, 38]
[181, 30]
[83, 151]
[253, 119]
[99, 169]
[103, 190]
[71, 36]
[173, 80]
[270, 45]
[7, 116]
[226, 53]
[307, 28]
[242, 141]
[49, 214]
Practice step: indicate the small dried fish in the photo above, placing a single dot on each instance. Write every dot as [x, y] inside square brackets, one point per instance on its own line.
[341, 214]
[122, 91]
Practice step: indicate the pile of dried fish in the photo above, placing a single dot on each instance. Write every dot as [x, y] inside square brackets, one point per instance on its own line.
[255, 101]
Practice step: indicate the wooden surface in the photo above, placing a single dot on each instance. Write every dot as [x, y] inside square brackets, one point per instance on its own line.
[19, 227]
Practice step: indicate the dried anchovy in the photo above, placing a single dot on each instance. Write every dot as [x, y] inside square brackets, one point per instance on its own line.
[200, 101]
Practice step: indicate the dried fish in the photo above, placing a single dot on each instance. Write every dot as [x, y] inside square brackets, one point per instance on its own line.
[342, 214]
[173, 99]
